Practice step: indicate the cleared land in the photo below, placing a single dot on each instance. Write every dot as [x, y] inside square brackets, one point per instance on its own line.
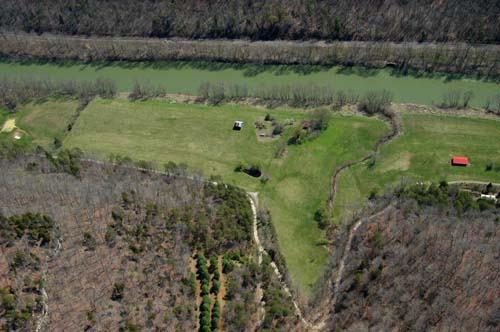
[203, 138]
[200, 136]
[45, 121]
[424, 153]
[185, 77]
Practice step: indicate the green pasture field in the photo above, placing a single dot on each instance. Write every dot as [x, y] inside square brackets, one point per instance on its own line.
[45, 121]
[300, 185]
[202, 137]
[185, 77]
[423, 153]
[197, 135]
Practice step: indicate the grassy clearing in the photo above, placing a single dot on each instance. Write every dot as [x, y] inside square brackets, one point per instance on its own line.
[185, 77]
[45, 121]
[200, 136]
[203, 138]
[300, 185]
[424, 153]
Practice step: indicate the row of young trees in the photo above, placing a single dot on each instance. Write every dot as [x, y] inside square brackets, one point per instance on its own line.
[15, 91]
[209, 319]
[432, 20]
[142, 90]
[461, 99]
[455, 59]
[295, 95]
[301, 95]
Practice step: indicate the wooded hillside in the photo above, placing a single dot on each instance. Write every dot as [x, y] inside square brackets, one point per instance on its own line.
[364, 20]
[108, 248]
[428, 263]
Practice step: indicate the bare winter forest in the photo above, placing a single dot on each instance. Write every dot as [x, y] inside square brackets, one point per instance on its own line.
[481, 60]
[429, 262]
[107, 248]
[363, 20]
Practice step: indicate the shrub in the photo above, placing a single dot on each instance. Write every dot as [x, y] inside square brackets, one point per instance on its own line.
[280, 150]
[268, 117]
[321, 217]
[118, 292]
[110, 236]
[215, 315]
[378, 241]
[451, 99]
[57, 143]
[468, 95]
[298, 137]
[374, 102]
[373, 194]
[213, 264]
[277, 129]
[240, 167]
[215, 287]
[227, 265]
[88, 241]
[319, 119]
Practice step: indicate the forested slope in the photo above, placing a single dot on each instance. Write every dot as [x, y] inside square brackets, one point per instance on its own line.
[428, 263]
[364, 20]
[109, 248]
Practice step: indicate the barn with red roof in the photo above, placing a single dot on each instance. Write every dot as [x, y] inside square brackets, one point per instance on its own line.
[459, 161]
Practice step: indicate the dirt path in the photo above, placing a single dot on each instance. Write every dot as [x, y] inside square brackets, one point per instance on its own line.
[474, 182]
[318, 322]
[254, 201]
[321, 317]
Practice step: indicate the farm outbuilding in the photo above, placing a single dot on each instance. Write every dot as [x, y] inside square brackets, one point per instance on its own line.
[237, 125]
[459, 161]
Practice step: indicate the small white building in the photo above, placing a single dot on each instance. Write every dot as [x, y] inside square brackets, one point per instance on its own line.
[238, 125]
[489, 196]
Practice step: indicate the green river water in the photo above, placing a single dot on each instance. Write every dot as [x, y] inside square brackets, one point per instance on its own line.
[185, 77]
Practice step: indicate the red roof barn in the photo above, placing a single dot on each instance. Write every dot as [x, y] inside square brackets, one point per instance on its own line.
[459, 161]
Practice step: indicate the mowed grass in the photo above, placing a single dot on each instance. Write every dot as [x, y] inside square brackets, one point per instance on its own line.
[300, 185]
[197, 135]
[424, 153]
[202, 137]
[43, 122]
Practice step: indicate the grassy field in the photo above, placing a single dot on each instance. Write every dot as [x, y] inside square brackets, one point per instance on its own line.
[185, 77]
[43, 122]
[202, 137]
[300, 185]
[424, 153]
